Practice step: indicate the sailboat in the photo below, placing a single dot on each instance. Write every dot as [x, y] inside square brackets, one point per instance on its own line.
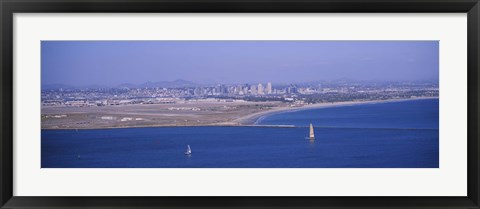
[312, 134]
[188, 151]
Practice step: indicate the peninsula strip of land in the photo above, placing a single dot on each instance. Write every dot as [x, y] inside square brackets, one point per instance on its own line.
[164, 115]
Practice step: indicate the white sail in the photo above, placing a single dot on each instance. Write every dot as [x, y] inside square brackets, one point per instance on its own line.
[189, 151]
[312, 134]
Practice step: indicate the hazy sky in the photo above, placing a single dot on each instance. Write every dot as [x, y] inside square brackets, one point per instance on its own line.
[83, 63]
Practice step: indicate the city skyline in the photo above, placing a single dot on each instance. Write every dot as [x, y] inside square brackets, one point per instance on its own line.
[299, 94]
[113, 63]
[168, 84]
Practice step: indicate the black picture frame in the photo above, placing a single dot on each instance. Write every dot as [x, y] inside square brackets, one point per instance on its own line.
[9, 7]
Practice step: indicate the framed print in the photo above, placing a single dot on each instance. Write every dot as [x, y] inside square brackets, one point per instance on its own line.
[264, 104]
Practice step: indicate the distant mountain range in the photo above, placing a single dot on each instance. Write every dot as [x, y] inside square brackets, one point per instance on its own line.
[160, 84]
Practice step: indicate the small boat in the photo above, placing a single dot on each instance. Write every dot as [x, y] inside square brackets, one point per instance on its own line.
[312, 134]
[188, 151]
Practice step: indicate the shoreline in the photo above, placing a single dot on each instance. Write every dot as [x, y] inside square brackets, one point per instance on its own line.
[251, 120]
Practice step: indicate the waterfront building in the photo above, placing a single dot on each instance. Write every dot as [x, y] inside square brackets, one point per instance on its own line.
[245, 89]
[292, 89]
[222, 89]
[269, 88]
[260, 88]
[253, 90]
[198, 91]
[239, 90]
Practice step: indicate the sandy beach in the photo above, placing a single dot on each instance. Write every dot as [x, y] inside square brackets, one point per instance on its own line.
[252, 118]
[194, 114]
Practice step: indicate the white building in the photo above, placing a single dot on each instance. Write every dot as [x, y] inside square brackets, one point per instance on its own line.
[260, 88]
[253, 90]
[269, 88]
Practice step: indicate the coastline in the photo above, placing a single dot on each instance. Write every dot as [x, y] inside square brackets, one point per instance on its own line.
[251, 119]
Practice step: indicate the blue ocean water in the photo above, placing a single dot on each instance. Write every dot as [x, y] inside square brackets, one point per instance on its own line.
[383, 135]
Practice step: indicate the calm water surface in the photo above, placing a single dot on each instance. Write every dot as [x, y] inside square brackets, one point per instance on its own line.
[383, 135]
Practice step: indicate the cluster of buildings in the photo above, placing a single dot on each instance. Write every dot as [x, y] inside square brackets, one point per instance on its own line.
[300, 93]
[244, 89]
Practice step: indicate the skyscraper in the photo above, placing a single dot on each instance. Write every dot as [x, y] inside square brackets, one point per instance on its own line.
[253, 90]
[245, 88]
[269, 88]
[292, 89]
[260, 88]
